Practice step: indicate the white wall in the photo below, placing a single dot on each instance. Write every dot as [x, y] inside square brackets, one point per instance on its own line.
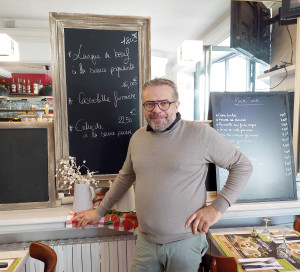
[281, 51]
[185, 85]
[158, 66]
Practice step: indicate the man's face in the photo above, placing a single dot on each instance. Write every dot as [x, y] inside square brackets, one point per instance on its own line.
[158, 119]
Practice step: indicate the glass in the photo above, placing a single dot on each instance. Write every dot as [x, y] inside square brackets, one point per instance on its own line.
[283, 248]
[3, 104]
[162, 104]
[266, 231]
[254, 232]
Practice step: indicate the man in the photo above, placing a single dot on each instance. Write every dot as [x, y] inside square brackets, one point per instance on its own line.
[168, 161]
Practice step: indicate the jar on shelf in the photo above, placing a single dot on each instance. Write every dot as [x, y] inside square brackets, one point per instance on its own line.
[29, 117]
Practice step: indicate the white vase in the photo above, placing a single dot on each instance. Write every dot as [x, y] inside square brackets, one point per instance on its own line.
[83, 197]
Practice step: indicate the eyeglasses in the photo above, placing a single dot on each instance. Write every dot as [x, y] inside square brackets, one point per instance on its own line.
[162, 104]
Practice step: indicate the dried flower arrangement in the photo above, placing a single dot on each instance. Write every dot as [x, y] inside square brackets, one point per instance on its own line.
[69, 173]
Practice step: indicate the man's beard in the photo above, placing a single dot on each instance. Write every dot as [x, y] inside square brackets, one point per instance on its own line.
[163, 124]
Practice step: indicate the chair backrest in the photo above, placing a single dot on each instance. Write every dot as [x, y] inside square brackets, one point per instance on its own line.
[297, 224]
[213, 263]
[45, 254]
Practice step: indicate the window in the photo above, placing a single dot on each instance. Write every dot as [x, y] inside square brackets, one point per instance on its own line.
[230, 71]
[218, 77]
[236, 74]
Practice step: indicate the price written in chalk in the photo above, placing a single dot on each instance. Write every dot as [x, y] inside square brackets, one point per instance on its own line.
[133, 38]
[128, 84]
[124, 120]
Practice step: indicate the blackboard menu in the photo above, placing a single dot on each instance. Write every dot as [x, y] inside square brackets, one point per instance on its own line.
[27, 165]
[259, 125]
[24, 160]
[102, 84]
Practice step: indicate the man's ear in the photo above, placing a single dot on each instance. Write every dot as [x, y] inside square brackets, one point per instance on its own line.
[177, 105]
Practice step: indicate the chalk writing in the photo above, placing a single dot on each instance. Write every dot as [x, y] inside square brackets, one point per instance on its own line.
[247, 101]
[258, 125]
[102, 78]
[119, 69]
[285, 142]
[128, 84]
[124, 120]
[83, 56]
[82, 125]
[123, 55]
[130, 39]
[122, 97]
[98, 70]
[83, 99]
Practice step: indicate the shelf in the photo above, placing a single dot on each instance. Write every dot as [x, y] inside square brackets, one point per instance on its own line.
[23, 95]
[280, 72]
[17, 110]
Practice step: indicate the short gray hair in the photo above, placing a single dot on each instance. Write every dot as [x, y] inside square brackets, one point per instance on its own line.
[161, 82]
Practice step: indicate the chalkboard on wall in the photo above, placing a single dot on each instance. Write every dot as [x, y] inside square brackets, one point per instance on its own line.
[27, 165]
[259, 125]
[98, 79]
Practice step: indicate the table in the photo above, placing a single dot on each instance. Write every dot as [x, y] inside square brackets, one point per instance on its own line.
[121, 221]
[238, 243]
[20, 258]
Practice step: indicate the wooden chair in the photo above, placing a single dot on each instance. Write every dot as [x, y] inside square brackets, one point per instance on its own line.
[213, 263]
[297, 224]
[45, 254]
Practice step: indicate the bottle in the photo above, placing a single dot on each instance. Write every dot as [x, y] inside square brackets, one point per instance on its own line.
[28, 87]
[3, 83]
[24, 87]
[13, 87]
[35, 87]
[7, 86]
[40, 84]
[19, 86]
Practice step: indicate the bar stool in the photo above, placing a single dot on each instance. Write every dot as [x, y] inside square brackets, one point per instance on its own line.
[45, 254]
[213, 263]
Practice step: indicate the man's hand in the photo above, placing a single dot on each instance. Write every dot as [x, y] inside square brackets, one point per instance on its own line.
[88, 217]
[203, 218]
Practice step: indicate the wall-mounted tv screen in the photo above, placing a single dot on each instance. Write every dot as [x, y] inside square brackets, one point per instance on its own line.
[250, 29]
[290, 9]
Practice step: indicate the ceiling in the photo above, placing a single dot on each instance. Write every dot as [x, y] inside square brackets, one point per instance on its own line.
[172, 21]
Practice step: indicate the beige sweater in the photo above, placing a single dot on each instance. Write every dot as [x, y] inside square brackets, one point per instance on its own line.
[170, 169]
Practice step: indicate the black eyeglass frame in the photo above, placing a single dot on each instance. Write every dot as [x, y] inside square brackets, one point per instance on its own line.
[157, 103]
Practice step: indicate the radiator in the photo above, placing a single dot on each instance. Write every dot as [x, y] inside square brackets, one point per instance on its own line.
[105, 254]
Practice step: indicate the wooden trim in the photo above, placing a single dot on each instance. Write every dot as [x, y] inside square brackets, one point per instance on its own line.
[297, 102]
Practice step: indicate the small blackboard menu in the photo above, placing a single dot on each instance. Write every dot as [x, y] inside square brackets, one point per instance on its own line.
[103, 66]
[259, 125]
[27, 165]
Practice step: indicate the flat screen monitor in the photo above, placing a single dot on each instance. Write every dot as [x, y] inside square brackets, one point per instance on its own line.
[250, 30]
[290, 9]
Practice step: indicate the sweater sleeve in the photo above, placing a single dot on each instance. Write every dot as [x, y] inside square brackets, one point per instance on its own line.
[122, 183]
[222, 153]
